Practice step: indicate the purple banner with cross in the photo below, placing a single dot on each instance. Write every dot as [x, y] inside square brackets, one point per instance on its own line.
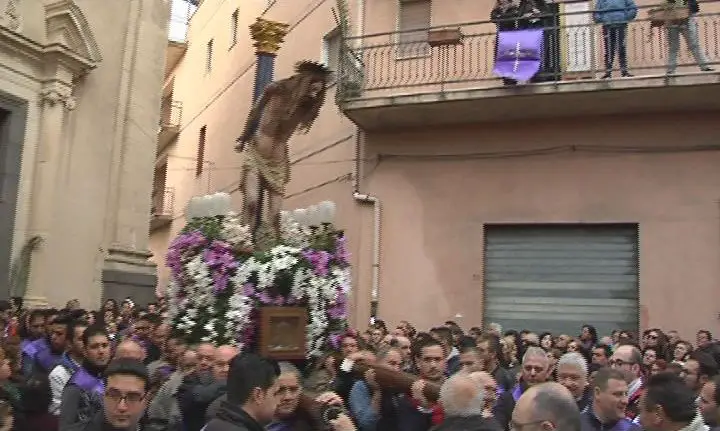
[519, 54]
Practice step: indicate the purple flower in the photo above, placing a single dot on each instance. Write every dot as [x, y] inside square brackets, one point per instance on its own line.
[264, 298]
[279, 301]
[179, 247]
[221, 260]
[335, 340]
[341, 253]
[248, 289]
[319, 260]
[339, 309]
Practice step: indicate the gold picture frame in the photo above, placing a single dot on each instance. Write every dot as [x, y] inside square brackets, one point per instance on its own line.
[283, 332]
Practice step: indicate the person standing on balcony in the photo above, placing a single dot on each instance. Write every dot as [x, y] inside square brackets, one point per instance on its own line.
[510, 15]
[614, 16]
[689, 30]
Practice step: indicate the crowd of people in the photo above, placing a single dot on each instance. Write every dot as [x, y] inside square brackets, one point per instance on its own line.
[124, 368]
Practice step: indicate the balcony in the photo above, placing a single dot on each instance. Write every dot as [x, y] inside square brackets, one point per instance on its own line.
[170, 120]
[162, 210]
[435, 79]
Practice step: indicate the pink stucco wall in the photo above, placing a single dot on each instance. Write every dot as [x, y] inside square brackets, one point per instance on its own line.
[434, 209]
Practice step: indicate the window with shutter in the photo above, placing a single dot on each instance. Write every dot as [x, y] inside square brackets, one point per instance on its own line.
[414, 15]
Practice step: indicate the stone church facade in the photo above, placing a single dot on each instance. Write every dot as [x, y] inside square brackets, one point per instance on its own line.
[80, 84]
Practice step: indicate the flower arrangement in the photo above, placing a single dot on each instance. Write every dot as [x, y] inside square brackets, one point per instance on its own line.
[219, 281]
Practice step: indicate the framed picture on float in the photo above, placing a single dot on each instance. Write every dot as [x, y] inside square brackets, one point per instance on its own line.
[283, 332]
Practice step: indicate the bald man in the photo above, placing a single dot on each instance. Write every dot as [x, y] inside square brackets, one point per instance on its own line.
[463, 402]
[546, 407]
[628, 360]
[131, 350]
[490, 386]
[201, 388]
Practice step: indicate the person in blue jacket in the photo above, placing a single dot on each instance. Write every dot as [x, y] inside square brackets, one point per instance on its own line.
[614, 16]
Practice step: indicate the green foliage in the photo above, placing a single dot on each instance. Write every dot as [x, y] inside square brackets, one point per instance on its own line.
[210, 227]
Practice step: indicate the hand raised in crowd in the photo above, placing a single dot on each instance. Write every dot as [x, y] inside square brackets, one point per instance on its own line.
[417, 390]
[343, 423]
[330, 398]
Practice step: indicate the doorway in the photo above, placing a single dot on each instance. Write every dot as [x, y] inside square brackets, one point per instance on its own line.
[13, 116]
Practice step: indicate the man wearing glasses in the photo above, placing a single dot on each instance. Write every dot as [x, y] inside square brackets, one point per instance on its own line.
[627, 359]
[124, 400]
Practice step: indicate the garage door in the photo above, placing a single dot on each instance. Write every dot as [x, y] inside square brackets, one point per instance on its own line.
[557, 278]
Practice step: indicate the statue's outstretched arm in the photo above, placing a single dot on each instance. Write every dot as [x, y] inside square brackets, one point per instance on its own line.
[253, 119]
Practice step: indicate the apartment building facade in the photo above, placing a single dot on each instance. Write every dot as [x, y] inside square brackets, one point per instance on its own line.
[573, 200]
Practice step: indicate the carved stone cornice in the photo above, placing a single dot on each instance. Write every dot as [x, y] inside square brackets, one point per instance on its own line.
[53, 94]
[268, 35]
[10, 17]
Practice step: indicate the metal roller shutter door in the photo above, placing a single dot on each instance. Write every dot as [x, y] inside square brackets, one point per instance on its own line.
[557, 278]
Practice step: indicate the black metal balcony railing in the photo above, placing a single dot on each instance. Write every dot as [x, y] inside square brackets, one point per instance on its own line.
[406, 63]
[163, 202]
[171, 114]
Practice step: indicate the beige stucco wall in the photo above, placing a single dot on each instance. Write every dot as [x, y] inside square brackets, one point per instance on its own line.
[434, 210]
[88, 153]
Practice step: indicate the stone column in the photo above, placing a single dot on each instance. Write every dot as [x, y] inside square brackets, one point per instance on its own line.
[127, 270]
[268, 35]
[56, 101]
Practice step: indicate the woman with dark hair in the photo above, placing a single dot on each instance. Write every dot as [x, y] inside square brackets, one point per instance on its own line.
[578, 347]
[656, 339]
[547, 341]
[588, 336]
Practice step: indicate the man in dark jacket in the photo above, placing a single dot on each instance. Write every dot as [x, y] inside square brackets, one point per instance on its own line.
[199, 389]
[126, 385]
[535, 370]
[607, 411]
[251, 395]
[83, 394]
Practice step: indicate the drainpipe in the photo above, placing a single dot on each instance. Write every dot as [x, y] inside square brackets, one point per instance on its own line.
[375, 202]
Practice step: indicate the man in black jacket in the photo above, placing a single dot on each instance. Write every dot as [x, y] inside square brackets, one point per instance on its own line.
[251, 395]
[126, 385]
[199, 389]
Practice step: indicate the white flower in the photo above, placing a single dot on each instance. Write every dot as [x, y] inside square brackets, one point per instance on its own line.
[234, 232]
[191, 297]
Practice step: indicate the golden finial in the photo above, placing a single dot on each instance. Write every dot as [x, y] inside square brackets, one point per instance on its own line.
[268, 35]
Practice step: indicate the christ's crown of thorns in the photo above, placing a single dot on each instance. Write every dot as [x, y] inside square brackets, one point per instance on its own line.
[312, 67]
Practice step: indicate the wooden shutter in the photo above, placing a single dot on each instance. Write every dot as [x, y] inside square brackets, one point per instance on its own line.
[414, 15]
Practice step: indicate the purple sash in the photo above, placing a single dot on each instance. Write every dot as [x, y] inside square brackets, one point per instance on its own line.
[31, 348]
[44, 357]
[87, 382]
[623, 425]
[517, 392]
[519, 53]
[279, 426]
[165, 370]
[25, 345]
